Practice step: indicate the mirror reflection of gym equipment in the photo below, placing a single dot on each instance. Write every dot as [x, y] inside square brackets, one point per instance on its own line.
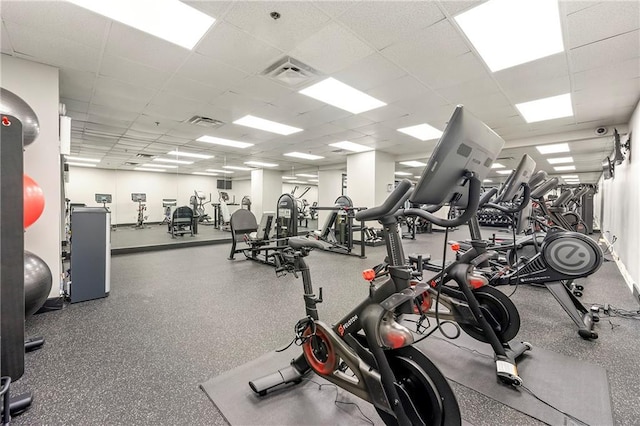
[338, 228]
[141, 199]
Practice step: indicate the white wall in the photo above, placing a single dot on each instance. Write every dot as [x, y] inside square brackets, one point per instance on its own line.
[85, 182]
[329, 188]
[621, 208]
[37, 85]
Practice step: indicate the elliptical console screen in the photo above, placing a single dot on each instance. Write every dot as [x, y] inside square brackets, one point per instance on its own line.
[466, 145]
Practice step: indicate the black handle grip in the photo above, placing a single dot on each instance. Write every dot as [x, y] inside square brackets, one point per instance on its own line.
[526, 197]
[564, 197]
[386, 208]
[543, 188]
[487, 196]
[472, 208]
[537, 178]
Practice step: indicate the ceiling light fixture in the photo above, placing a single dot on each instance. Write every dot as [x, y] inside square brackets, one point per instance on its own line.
[424, 132]
[71, 163]
[170, 160]
[350, 146]
[413, 163]
[403, 174]
[546, 108]
[303, 156]
[497, 166]
[170, 20]
[313, 180]
[487, 180]
[145, 169]
[560, 160]
[260, 164]
[190, 154]
[162, 166]
[307, 175]
[219, 171]
[266, 125]
[503, 172]
[288, 177]
[521, 31]
[92, 160]
[223, 142]
[564, 168]
[569, 176]
[343, 96]
[553, 149]
[204, 174]
[242, 169]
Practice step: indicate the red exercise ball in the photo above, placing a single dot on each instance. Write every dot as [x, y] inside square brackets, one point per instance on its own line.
[33, 201]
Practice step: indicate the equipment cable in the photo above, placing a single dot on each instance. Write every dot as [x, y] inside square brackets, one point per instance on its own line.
[336, 401]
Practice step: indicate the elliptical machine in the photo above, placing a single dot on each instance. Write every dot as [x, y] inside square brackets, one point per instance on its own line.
[140, 198]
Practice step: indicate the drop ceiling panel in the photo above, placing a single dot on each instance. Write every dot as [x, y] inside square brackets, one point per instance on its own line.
[602, 53]
[121, 88]
[298, 21]
[52, 50]
[602, 21]
[453, 71]
[112, 113]
[331, 49]
[77, 85]
[455, 7]
[237, 48]
[381, 23]
[261, 88]
[144, 48]
[208, 71]
[132, 72]
[616, 92]
[212, 8]
[146, 122]
[239, 105]
[191, 89]
[401, 88]
[333, 8]
[351, 122]
[535, 72]
[127, 103]
[538, 89]
[108, 121]
[357, 76]
[294, 103]
[606, 75]
[428, 48]
[472, 88]
[58, 18]
[74, 105]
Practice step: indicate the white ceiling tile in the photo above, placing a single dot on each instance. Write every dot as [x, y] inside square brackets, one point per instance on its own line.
[148, 123]
[121, 88]
[215, 8]
[574, 6]
[472, 88]
[601, 53]
[298, 21]
[110, 112]
[452, 71]
[384, 113]
[351, 122]
[238, 105]
[180, 110]
[398, 89]
[209, 71]
[428, 47]
[608, 74]
[261, 88]
[138, 138]
[191, 89]
[334, 8]
[359, 76]
[383, 22]
[74, 105]
[602, 21]
[58, 18]
[77, 85]
[144, 48]
[235, 47]
[454, 7]
[52, 50]
[295, 103]
[325, 114]
[536, 71]
[77, 116]
[428, 102]
[132, 72]
[603, 115]
[331, 49]
[128, 103]
[538, 89]
[5, 42]
[108, 121]
[626, 88]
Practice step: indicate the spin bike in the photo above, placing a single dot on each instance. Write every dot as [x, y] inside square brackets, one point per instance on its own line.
[404, 386]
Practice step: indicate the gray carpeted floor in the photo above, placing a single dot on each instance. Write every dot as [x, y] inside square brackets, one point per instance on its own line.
[177, 318]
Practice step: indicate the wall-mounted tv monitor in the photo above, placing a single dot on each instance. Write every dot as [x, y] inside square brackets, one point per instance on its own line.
[224, 184]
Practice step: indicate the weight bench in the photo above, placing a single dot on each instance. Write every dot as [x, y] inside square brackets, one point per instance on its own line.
[181, 221]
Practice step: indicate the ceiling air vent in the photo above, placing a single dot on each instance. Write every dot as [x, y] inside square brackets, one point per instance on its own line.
[199, 120]
[145, 155]
[291, 72]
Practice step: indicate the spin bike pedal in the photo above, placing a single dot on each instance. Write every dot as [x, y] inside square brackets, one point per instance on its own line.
[508, 373]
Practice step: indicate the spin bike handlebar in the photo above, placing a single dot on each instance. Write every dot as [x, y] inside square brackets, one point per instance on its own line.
[541, 190]
[389, 206]
[538, 178]
[472, 207]
[526, 197]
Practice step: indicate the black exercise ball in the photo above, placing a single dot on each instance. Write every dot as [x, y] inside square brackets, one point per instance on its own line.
[12, 104]
[37, 282]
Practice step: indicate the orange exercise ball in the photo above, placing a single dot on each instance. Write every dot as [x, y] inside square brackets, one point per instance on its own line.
[33, 201]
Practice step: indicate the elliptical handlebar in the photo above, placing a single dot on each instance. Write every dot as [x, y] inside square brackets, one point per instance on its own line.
[388, 207]
[526, 197]
[487, 196]
[472, 207]
[542, 189]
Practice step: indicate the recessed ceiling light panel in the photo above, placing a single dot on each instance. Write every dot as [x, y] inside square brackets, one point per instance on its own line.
[243, 169]
[145, 169]
[351, 146]
[403, 174]
[520, 31]
[303, 155]
[560, 160]
[72, 158]
[307, 175]
[161, 166]
[546, 109]
[564, 168]
[224, 142]
[553, 149]
[171, 160]
[219, 171]
[424, 132]
[343, 96]
[413, 163]
[190, 155]
[497, 166]
[204, 174]
[71, 163]
[503, 172]
[170, 20]
[266, 125]
[260, 164]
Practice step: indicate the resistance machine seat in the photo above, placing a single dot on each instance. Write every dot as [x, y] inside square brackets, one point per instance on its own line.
[181, 221]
